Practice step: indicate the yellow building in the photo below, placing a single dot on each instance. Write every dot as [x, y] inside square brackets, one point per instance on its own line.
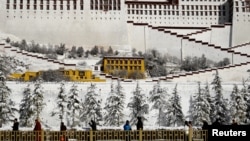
[112, 64]
[73, 75]
[82, 76]
[27, 76]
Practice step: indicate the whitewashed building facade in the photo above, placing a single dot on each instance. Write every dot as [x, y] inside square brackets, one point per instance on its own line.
[170, 26]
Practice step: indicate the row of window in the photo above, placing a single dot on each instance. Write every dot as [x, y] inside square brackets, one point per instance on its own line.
[184, 13]
[177, 18]
[123, 62]
[46, 1]
[243, 9]
[42, 7]
[243, 3]
[81, 73]
[124, 67]
[105, 5]
[176, 7]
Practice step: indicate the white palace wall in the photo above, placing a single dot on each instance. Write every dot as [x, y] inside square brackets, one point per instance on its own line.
[204, 36]
[177, 46]
[241, 23]
[78, 27]
[243, 49]
[88, 27]
[220, 36]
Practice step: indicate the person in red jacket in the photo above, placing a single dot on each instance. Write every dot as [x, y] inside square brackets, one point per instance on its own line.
[38, 129]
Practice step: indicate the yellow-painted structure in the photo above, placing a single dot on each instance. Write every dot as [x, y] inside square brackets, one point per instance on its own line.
[73, 75]
[82, 76]
[27, 76]
[129, 64]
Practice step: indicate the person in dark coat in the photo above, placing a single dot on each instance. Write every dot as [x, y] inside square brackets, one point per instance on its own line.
[205, 125]
[139, 124]
[127, 126]
[38, 129]
[15, 128]
[15, 125]
[92, 124]
[217, 122]
[38, 126]
[234, 122]
[63, 127]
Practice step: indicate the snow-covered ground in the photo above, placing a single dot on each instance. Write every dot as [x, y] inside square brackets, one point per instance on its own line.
[51, 90]
[185, 90]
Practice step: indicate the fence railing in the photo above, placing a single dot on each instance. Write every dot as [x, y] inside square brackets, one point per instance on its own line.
[104, 135]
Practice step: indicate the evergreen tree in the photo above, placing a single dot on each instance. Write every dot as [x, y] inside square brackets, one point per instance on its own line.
[138, 105]
[201, 108]
[158, 96]
[111, 107]
[209, 100]
[190, 108]
[7, 108]
[73, 106]
[61, 102]
[92, 105]
[121, 104]
[174, 114]
[38, 98]
[220, 104]
[238, 105]
[10, 64]
[248, 105]
[80, 51]
[245, 91]
[25, 111]
[114, 105]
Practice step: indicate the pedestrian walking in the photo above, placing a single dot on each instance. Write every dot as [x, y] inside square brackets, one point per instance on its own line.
[15, 126]
[37, 130]
[139, 124]
[92, 124]
[127, 127]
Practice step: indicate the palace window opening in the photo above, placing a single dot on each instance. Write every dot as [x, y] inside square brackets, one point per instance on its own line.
[54, 6]
[81, 4]
[74, 4]
[68, 4]
[21, 4]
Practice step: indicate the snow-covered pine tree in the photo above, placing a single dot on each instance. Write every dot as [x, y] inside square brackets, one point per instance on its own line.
[238, 106]
[201, 107]
[138, 105]
[92, 105]
[190, 108]
[38, 98]
[209, 100]
[245, 91]
[111, 117]
[174, 114]
[121, 104]
[158, 96]
[25, 111]
[248, 106]
[7, 108]
[73, 106]
[10, 64]
[61, 102]
[220, 109]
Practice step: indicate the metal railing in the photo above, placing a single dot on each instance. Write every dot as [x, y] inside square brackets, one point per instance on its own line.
[104, 135]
